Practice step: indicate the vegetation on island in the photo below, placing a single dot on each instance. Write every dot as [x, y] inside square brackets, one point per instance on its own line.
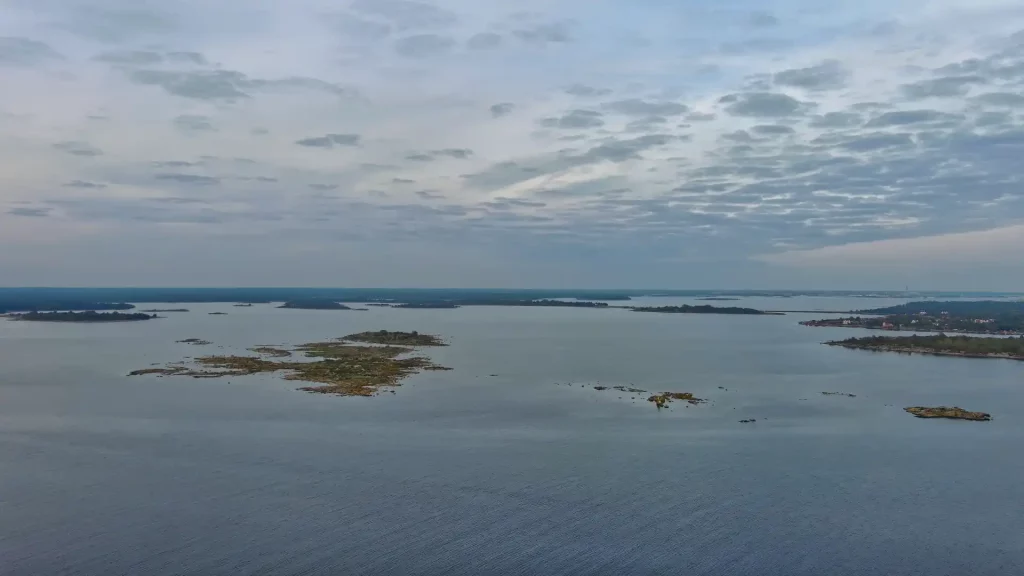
[314, 305]
[89, 316]
[423, 305]
[718, 299]
[194, 341]
[940, 345]
[396, 338]
[662, 400]
[702, 309]
[218, 313]
[954, 413]
[923, 322]
[962, 308]
[155, 310]
[342, 368]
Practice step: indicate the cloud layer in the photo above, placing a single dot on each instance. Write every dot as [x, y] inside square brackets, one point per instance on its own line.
[447, 142]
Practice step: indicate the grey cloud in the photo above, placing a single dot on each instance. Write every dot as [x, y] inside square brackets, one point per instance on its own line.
[584, 91]
[330, 141]
[637, 107]
[772, 130]
[575, 119]
[755, 45]
[265, 179]
[621, 150]
[646, 124]
[259, 131]
[76, 148]
[761, 19]
[359, 28]
[25, 52]
[828, 75]
[552, 32]
[1001, 99]
[402, 181]
[175, 164]
[30, 212]
[458, 153]
[945, 87]
[420, 157]
[763, 104]
[700, 117]
[84, 184]
[130, 57]
[1001, 118]
[113, 25]
[904, 117]
[190, 179]
[484, 41]
[429, 195]
[191, 124]
[187, 58]
[836, 120]
[406, 14]
[877, 141]
[323, 186]
[201, 85]
[423, 45]
[502, 109]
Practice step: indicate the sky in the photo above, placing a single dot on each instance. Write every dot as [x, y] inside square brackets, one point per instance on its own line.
[557, 143]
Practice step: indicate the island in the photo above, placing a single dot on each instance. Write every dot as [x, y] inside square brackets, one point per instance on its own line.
[423, 305]
[662, 400]
[314, 305]
[718, 299]
[271, 351]
[395, 338]
[218, 313]
[940, 345]
[954, 413]
[924, 322]
[194, 341]
[243, 305]
[83, 317]
[342, 369]
[703, 309]
[155, 310]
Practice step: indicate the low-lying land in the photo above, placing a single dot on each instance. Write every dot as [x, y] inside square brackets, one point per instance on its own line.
[342, 369]
[87, 317]
[155, 310]
[662, 400]
[940, 345]
[954, 413]
[703, 309]
[923, 322]
[194, 341]
[314, 305]
[396, 338]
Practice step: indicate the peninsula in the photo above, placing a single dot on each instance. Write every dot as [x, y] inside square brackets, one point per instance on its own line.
[314, 305]
[84, 317]
[155, 310]
[954, 413]
[342, 368]
[940, 345]
[703, 309]
[1011, 325]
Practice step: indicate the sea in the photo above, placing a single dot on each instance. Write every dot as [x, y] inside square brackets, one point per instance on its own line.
[512, 463]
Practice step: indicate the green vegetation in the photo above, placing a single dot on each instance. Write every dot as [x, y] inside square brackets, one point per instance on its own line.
[703, 309]
[193, 341]
[923, 322]
[953, 413]
[665, 398]
[86, 317]
[967, 308]
[942, 345]
[314, 305]
[396, 338]
[271, 351]
[343, 369]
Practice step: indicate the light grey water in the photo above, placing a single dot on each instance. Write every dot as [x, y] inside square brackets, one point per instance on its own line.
[466, 473]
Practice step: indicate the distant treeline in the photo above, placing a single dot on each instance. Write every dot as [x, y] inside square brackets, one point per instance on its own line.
[972, 309]
[939, 344]
[703, 309]
[89, 316]
[20, 304]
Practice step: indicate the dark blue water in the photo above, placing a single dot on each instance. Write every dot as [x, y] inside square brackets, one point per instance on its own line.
[466, 473]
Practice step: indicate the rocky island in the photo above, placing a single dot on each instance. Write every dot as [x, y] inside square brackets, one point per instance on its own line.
[395, 338]
[82, 317]
[703, 309]
[954, 413]
[342, 368]
[940, 345]
[662, 400]
[314, 305]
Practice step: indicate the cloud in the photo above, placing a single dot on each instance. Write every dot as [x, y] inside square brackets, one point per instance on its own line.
[837, 120]
[772, 130]
[84, 184]
[905, 117]
[25, 52]
[188, 179]
[484, 41]
[943, 87]
[131, 57]
[828, 75]
[191, 124]
[502, 109]
[574, 119]
[200, 85]
[584, 91]
[424, 45]
[330, 141]
[406, 14]
[77, 148]
[762, 19]
[319, 186]
[545, 33]
[1000, 99]
[30, 212]
[637, 107]
[763, 105]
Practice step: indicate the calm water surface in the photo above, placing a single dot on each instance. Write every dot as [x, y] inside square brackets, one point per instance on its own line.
[500, 467]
